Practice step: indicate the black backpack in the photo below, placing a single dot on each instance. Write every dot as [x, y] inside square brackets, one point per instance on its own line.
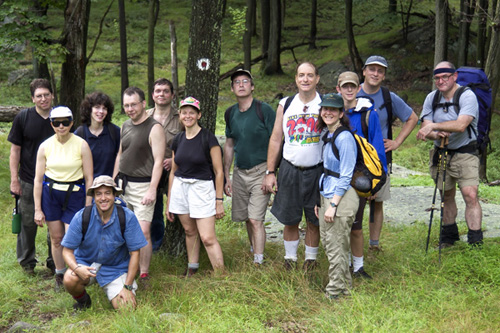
[86, 219]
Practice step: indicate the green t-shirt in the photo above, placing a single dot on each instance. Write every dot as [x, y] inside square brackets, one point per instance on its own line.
[250, 134]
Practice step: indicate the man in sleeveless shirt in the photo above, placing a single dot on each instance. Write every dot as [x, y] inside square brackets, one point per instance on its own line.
[139, 166]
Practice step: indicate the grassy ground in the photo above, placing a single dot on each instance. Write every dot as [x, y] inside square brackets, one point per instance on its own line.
[410, 290]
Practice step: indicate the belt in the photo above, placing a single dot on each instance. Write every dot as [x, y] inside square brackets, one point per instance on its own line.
[69, 190]
[125, 179]
[304, 168]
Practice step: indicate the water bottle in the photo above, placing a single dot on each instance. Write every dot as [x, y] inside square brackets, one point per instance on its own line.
[16, 218]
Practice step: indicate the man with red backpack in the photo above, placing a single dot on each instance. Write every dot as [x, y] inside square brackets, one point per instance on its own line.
[457, 123]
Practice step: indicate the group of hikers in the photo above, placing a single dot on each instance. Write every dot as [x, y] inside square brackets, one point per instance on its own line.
[100, 190]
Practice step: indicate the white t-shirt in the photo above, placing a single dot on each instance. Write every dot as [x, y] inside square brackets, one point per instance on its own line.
[303, 145]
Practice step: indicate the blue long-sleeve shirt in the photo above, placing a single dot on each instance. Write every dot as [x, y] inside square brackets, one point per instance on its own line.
[348, 150]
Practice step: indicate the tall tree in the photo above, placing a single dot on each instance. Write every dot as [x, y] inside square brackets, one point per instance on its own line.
[313, 30]
[441, 32]
[203, 64]
[466, 15]
[252, 16]
[273, 63]
[482, 14]
[74, 39]
[123, 49]
[265, 18]
[173, 56]
[40, 67]
[357, 63]
[247, 37]
[393, 6]
[154, 8]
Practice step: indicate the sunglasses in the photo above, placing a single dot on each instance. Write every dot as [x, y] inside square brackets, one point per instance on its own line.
[57, 123]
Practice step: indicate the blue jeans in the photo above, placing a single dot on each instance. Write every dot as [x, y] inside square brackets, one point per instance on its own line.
[158, 223]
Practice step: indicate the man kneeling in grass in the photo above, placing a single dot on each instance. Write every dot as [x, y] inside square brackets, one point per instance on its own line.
[104, 247]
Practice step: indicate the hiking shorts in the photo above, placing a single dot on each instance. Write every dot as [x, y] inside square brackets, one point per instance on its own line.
[113, 288]
[192, 196]
[461, 169]
[298, 193]
[385, 192]
[133, 196]
[249, 201]
[53, 202]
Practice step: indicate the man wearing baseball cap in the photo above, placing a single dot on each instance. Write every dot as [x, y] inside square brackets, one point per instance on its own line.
[249, 124]
[108, 242]
[387, 105]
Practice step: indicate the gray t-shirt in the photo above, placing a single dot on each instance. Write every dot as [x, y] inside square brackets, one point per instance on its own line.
[468, 106]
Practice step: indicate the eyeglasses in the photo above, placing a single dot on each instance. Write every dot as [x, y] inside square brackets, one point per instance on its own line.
[443, 78]
[57, 123]
[130, 106]
[46, 96]
[244, 81]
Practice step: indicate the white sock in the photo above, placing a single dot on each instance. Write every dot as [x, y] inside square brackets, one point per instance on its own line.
[251, 249]
[291, 249]
[357, 263]
[311, 252]
[194, 265]
[258, 258]
[61, 271]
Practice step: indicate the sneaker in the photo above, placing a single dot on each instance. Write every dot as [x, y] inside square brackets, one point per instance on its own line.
[290, 264]
[144, 281]
[83, 304]
[50, 265]
[375, 248]
[59, 286]
[28, 270]
[189, 272]
[309, 265]
[360, 273]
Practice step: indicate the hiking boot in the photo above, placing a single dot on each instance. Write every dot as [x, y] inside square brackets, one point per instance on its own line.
[50, 265]
[59, 286]
[360, 273]
[189, 272]
[375, 248]
[309, 265]
[144, 281]
[83, 304]
[290, 264]
[449, 234]
[28, 270]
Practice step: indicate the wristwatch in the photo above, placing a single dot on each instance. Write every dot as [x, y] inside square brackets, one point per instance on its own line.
[269, 172]
[128, 287]
[333, 204]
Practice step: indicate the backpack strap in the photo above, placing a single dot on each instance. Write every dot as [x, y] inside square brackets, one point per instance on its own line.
[386, 94]
[80, 131]
[23, 115]
[86, 219]
[112, 133]
[334, 149]
[365, 116]
[121, 218]
[287, 103]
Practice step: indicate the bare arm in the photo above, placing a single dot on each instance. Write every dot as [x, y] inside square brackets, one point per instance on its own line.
[169, 215]
[157, 143]
[215, 154]
[431, 130]
[273, 151]
[117, 162]
[126, 297]
[408, 126]
[88, 169]
[228, 160]
[37, 185]
[14, 161]
[82, 271]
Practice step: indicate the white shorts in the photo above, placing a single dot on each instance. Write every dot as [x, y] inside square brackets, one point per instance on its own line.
[192, 196]
[113, 288]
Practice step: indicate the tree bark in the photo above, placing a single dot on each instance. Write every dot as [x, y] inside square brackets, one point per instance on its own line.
[441, 32]
[123, 50]
[252, 8]
[8, 113]
[313, 31]
[154, 7]
[273, 63]
[466, 16]
[173, 56]
[76, 20]
[247, 38]
[265, 13]
[203, 65]
[482, 12]
[393, 6]
[357, 63]
[40, 68]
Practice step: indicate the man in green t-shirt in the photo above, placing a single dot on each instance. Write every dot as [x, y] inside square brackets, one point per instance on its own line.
[249, 124]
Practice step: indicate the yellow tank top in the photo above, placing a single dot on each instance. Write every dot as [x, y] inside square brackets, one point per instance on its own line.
[64, 161]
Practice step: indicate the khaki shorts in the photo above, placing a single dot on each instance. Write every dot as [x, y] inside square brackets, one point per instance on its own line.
[249, 201]
[385, 192]
[134, 193]
[461, 169]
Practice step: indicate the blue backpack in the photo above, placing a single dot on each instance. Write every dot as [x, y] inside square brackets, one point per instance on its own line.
[476, 80]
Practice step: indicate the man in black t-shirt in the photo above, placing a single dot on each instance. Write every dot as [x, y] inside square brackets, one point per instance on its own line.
[29, 129]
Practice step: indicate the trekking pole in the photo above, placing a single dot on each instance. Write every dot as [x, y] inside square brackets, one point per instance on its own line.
[433, 206]
[445, 148]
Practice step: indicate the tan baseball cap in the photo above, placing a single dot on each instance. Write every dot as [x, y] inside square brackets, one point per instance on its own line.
[103, 181]
[348, 77]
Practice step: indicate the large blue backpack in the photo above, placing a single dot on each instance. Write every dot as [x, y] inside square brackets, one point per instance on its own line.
[476, 80]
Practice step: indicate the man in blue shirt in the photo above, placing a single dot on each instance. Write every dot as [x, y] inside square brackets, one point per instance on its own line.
[374, 73]
[112, 252]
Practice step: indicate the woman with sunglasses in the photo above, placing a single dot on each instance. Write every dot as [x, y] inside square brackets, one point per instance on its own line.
[191, 192]
[102, 136]
[339, 201]
[63, 167]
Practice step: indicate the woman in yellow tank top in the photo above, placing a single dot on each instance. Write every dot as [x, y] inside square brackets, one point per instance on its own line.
[63, 167]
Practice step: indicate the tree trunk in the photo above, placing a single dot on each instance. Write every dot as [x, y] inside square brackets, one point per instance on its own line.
[247, 38]
[312, 33]
[466, 16]
[482, 12]
[76, 20]
[273, 64]
[393, 6]
[441, 32]
[8, 113]
[203, 65]
[265, 13]
[173, 55]
[252, 8]
[40, 68]
[357, 63]
[154, 7]
[123, 50]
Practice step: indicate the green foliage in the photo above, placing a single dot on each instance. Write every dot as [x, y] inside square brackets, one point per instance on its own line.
[238, 21]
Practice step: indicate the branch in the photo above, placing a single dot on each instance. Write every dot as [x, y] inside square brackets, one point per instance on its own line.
[362, 25]
[416, 14]
[100, 31]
